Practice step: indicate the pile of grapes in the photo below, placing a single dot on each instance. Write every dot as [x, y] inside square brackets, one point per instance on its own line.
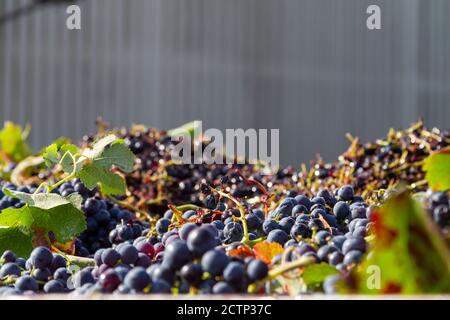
[222, 229]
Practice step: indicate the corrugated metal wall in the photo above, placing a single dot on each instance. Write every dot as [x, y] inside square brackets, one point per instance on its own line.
[307, 67]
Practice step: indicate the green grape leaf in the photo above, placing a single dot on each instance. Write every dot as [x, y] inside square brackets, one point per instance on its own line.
[13, 217]
[119, 155]
[99, 147]
[66, 222]
[51, 155]
[18, 240]
[48, 212]
[110, 183]
[63, 155]
[13, 141]
[437, 167]
[409, 255]
[106, 153]
[314, 275]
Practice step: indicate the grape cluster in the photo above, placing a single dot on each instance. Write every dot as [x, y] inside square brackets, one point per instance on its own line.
[44, 271]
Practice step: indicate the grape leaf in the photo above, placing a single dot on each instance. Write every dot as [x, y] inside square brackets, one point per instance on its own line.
[437, 167]
[63, 155]
[265, 251]
[51, 155]
[12, 217]
[16, 239]
[110, 183]
[99, 147]
[66, 222]
[117, 154]
[409, 252]
[314, 275]
[48, 212]
[12, 141]
[105, 154]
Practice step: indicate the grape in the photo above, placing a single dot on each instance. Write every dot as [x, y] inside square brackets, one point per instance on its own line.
[82, 277]
[210, 202]
[109, 280]
[128, 254]
[346, 193]
[192, 273]
[353, 244]
[234, 273]
[270, 225]
[201, 240]
[54, 286]
[299, 209]
[334, 258]
[57, 262]
[137, 279]
[98, 257]
[214, 262]
[161, 272]
[41, 257]
[41, 274]
[146, 248]
[341, 210]
[324, 252]
[143, 260]
[8, 256]
[233, 232]
[26, 283]
[102, 217]
[160, 286]
[278, 236]
[21, 262]
[286, 224]
[257, 270]
[91, 206]
[338, 241]
[9, 269]
[177, 254]
[186, 229]
[61, 274]
[352, 257]
[300, 230]
[162, 225]
[222, 288]
[253, 221]
[322, 237]
[110, 257]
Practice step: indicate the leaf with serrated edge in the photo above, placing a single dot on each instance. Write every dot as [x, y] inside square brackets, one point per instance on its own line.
[99, 147]
[110, 183]
[51, 155]
[67, 153]
[119, 155]
[76, 199]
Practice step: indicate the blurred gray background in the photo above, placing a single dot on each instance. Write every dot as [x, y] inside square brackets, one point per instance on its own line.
[308, 67]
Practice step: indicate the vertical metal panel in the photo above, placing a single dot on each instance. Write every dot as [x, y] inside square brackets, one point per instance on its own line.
[308, 67]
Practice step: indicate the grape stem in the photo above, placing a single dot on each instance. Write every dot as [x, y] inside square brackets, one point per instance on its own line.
[241, 209]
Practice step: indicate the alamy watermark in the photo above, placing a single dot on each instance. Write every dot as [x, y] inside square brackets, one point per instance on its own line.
[234, 146]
